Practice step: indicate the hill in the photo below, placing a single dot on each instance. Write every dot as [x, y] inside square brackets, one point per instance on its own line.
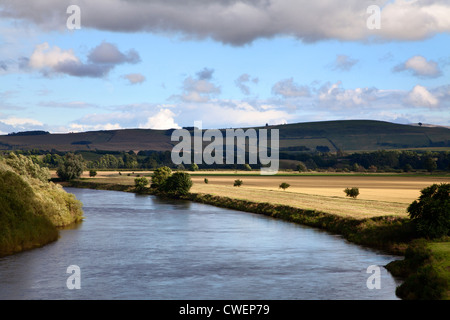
[345, 135]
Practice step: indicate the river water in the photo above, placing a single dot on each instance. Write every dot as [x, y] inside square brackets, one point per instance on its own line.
[142, 247]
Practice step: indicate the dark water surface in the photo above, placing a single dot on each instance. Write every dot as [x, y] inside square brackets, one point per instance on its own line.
[142, 247]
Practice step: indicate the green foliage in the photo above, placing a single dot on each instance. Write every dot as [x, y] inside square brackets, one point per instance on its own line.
[206, 180]
[24, 166]
[301, 167]
[431, 213]
[92, 173]
[140, 183]
[71, 167]
[160, 175]
[178, 183]
[247, 167]
[237, 183]
[430, 164]
[351, 192]
[31, 207]
[284, 185]
[194, 167]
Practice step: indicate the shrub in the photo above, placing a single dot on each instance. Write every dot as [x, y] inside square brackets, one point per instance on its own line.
[178, 183]
[92, 173]
[206, 180]
[194, 167]
[160, 175]
[301, 167]
[247, 167]
[140, 183]
[351, 192]
[284, 185]
[431, 212]
[237, 183]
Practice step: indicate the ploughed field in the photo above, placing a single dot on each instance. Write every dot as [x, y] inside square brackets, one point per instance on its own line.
[379, 194]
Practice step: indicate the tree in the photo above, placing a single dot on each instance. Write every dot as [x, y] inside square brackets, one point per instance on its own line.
[301, 167]
[206, 180]
[352, 192]
[160, 175]
[430, 164]
[140, 183]
[71, 167]
[237, 183]
[178, 183]
[194, 167]
[247, 167]
[431, 212]
[92, 173]
[284, 185]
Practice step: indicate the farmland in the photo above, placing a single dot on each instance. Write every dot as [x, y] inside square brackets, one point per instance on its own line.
[380, 194]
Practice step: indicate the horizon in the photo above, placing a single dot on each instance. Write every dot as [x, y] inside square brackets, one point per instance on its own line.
[149, 65]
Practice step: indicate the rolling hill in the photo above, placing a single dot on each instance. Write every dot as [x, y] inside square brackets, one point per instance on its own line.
[345, 135]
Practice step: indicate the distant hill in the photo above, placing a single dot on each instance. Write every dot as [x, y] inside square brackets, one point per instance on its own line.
[345, 135]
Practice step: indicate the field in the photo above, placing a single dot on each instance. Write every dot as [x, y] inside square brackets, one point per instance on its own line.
[379, 194]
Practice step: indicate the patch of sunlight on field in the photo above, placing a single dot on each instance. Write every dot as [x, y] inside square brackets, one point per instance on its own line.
[355, 208]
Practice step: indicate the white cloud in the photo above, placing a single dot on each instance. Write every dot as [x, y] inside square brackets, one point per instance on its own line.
[421, 97]
[46, 57]
[420, 67]
[164, 119]
[287, 88]
[135, 78]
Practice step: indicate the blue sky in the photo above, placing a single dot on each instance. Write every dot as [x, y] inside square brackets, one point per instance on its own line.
[228, 64]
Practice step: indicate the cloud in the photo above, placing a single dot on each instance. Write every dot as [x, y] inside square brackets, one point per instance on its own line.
[199, 89]
[108, 53]
[239, 22]
[288, 89]
[241, 83]
[205, 74]
[343, 63]
[16, 124]
[420, 67]
[164, 119]
[101, 60]
[421, 97]
[135, 78]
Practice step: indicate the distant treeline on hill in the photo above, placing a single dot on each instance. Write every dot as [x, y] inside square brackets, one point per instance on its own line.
[376, 161]
[29, 133]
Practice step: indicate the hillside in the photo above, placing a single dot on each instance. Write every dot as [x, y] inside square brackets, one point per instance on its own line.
[345, 135]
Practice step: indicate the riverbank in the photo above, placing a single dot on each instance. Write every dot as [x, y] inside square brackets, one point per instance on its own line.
[392, 234]
[31, 208]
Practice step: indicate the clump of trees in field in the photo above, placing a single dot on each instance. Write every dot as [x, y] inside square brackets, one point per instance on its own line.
[284, 185]
[178, 183]
[237, 183]
[352, 192]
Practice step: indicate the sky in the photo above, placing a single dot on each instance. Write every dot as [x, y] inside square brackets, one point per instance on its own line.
[79, 65]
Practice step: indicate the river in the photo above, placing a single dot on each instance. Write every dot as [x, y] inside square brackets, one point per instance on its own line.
[143, 247]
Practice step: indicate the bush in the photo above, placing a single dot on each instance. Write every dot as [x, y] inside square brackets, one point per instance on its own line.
[206, 180]
[237, 183]
[351, 192]
[194, 167]
[284, 185]
[431, 213]
[247, 167]
[71, 167]
[160, 175]
[140, 183]
[178, 183]
[92, 173]
[301, 167]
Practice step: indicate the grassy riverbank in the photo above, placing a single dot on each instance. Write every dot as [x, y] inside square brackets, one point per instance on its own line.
[31, 208]
[389, 229]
